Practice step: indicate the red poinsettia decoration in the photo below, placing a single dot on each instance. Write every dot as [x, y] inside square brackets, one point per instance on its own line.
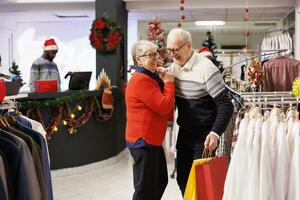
[105, 35]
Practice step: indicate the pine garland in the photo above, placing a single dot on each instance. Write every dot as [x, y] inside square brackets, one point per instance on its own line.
[54, 102]
[63, 114]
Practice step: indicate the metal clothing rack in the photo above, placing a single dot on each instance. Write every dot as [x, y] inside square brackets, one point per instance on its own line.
[9, 102]
[262, 98]
[279, 29]
[268, 52]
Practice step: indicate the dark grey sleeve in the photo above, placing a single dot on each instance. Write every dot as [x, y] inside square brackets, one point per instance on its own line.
[224, 112]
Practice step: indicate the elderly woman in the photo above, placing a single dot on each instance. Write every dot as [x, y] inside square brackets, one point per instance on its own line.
[149, 101]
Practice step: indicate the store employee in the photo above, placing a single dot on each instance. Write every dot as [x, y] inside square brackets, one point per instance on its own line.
[44, 68]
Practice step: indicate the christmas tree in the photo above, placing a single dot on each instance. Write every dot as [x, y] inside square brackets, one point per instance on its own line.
[157, 35]
[14, 69]
[210, 43]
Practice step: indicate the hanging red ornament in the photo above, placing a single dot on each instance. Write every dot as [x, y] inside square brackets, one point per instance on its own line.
[181, 1]
[247, 33]
[179, 25]
[181, 8]
[245, 18]
[246, 10]
[182, 17]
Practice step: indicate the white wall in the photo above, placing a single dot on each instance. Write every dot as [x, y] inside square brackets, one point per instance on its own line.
[74, 54]
[21, 40]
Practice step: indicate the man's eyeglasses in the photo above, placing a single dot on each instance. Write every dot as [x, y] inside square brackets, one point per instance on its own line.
[175, 50]
[150, 55]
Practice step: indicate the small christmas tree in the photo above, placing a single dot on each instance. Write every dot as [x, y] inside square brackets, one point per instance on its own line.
[157, 35]
[14, 69]
[210, 43]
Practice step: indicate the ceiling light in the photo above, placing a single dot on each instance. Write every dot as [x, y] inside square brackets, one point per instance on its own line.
[209, 23]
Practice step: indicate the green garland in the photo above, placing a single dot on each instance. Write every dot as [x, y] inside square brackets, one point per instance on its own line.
[54, 102]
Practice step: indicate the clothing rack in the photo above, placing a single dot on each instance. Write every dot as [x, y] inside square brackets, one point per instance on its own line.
[268, 52]
[270, 98]
[9, 101]
[263, 94]
[278, 29]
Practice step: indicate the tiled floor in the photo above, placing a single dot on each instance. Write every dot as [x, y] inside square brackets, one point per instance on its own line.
[113, 182]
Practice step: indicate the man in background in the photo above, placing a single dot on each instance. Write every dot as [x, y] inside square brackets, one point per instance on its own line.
[44, 68]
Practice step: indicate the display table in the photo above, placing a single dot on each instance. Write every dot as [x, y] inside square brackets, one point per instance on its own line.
[93, 142]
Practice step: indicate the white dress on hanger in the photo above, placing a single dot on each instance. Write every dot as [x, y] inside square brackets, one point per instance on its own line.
[266, 187]
[235, 174]
[294, 178]
[281, 179]
[253, 160]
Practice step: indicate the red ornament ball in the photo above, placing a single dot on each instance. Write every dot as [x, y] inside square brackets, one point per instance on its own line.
[179, 25]
[181, 1]
[246, 18]
[246, 34]
[246, 9]
[182, 17]
[181, 8]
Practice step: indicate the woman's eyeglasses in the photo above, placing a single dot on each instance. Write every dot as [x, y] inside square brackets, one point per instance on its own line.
[150, 55]
[175, 50]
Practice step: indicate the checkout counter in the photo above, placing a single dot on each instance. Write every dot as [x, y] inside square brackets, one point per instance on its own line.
[94, 141]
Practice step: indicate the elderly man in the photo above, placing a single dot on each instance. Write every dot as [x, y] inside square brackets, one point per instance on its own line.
[44, 68]
[204, 109]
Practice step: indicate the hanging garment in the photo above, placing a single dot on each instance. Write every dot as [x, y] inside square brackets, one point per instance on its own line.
[279, 73]
[3, 179]
[294, 177]
[30, 175]
[266, 188]
[23, 125]
[281, 180]
[254, 162]
[233, 188]
[17, 171]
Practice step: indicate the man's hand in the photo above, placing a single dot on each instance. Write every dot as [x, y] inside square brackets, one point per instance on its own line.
[211, 141]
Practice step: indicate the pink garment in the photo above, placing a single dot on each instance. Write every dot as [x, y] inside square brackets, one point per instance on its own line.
[280, 73]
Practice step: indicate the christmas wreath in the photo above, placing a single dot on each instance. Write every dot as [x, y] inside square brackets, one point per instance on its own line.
[105, 35]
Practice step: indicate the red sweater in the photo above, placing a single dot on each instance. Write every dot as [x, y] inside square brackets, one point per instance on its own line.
[147, 109]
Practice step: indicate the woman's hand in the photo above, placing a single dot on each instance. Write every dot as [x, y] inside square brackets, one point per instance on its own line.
[165, 75]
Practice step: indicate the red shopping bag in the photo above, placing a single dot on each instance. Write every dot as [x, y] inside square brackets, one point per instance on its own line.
[210, 179]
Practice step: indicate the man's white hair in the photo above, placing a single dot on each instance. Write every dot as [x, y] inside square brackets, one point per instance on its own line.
[141, 47]
[180, 33]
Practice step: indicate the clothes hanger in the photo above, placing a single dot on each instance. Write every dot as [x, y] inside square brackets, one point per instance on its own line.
[2, 123]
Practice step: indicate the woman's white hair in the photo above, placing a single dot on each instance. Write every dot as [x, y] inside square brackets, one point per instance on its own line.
[141, 47]
[181, 34]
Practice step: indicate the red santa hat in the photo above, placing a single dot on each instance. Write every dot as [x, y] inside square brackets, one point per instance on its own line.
[50, 45]
[204, 51]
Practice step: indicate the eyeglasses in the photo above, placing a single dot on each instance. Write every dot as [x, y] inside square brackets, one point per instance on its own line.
[175, 50]
[150, 55]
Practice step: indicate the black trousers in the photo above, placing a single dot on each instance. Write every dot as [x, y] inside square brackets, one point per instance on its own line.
[190, 146]
[150, 174]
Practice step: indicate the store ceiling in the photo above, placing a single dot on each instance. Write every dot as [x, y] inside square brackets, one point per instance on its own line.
[144, 10]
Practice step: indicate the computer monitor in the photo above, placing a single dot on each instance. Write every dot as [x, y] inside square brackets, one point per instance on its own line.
[79, 80]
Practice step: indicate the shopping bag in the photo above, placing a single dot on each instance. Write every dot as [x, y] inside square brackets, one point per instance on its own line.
[190, 189]
[210, 178]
